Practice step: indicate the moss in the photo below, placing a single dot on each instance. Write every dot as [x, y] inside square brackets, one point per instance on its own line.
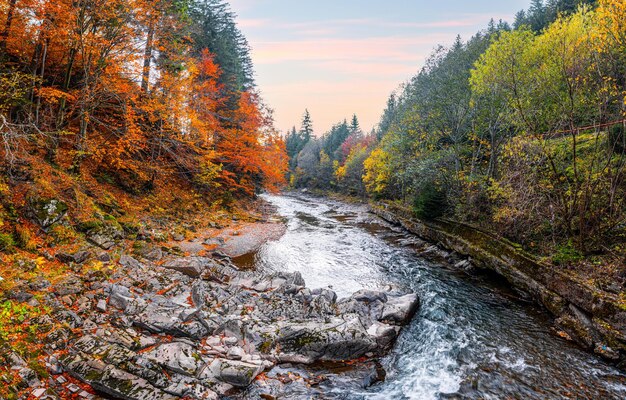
[91, 225]
[39, 368]
[566, 254]
[266, 346]
[131, 228]
[306, 339]
[7, 243]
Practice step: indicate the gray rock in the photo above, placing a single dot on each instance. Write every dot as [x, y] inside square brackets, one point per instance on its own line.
[235, 353]
[77, 258]
[229, 326]
[177, 357]
[120, 297]
[190, 266]
[111, 380]
[102, 240]
[148, 251]
[20, 296]
[47, 212]
[104, 257]
[102, 305]
[400, 310]
[128, 261]
[236, 373]
[105, 236]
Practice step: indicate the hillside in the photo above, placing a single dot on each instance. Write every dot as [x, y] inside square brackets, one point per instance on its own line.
[125, 126]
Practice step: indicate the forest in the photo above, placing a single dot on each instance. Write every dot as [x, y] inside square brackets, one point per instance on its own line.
[518, 130]
[123, 123]
[161, 239]
[137, 102]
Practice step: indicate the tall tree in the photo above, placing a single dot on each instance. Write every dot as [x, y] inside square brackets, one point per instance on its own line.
[306, 129]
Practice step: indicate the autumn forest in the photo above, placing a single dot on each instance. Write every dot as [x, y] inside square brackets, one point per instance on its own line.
[161, 237]
[519, 130]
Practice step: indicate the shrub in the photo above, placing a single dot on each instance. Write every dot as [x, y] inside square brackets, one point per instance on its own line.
[62, 234]
[566, 254]
[23, 239]
[6, 242]
[430, 203]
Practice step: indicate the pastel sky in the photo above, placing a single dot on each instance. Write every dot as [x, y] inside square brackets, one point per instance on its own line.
[341, 57]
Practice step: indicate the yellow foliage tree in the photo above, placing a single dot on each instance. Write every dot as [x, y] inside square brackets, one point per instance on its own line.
[611, 36]
[377, 172]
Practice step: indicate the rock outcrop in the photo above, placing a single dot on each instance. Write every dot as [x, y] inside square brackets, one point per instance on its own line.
[199, 328]
[593, 318]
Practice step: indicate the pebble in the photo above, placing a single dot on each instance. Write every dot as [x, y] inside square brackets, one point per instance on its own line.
[102, 305]
[235, 353]
[73, 387]
[231, 340]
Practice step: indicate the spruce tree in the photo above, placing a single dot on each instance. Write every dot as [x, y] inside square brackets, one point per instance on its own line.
[307, 126]
[355, 128]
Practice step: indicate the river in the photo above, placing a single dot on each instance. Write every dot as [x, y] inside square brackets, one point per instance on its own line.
[472, 337]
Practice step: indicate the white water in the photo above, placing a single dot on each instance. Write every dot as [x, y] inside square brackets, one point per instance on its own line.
[469, 339]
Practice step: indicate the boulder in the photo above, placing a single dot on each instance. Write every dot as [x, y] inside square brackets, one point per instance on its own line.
[177, 357]
[400, 310]
[111, 380]
[190, 266]
[46, 212]
[236, 373]
[197, 327]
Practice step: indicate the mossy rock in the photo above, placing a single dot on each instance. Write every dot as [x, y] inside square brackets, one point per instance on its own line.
[47, 212]
[91, 225]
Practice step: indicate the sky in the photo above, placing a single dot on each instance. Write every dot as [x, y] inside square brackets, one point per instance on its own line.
[337, 58]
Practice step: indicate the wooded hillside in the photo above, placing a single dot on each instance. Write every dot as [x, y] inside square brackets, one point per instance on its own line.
[519, 130]
[146, 104]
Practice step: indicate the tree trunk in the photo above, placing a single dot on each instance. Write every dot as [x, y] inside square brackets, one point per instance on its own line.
[80, 145]
[66, 86]
[43, 71]
[147, 58]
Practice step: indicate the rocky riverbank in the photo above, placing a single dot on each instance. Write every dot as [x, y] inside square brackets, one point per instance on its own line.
[589, 316]
[159, 325]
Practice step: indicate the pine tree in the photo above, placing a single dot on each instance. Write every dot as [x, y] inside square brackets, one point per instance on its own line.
[214, 28]
[537, 15]
[355, 128]
[307, 126]
[520, 19]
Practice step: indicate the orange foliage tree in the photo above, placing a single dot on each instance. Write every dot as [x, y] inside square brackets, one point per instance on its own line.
[116, 87]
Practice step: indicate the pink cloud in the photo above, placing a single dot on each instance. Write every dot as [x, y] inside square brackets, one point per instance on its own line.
[398, 49]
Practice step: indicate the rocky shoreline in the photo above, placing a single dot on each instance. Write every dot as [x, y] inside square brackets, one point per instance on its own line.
[164, 326]
[592, 318]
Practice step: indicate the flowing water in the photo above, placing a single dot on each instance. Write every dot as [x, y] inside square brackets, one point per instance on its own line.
[472, 338]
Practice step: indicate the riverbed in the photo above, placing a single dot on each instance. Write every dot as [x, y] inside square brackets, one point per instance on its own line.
[472, 337]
